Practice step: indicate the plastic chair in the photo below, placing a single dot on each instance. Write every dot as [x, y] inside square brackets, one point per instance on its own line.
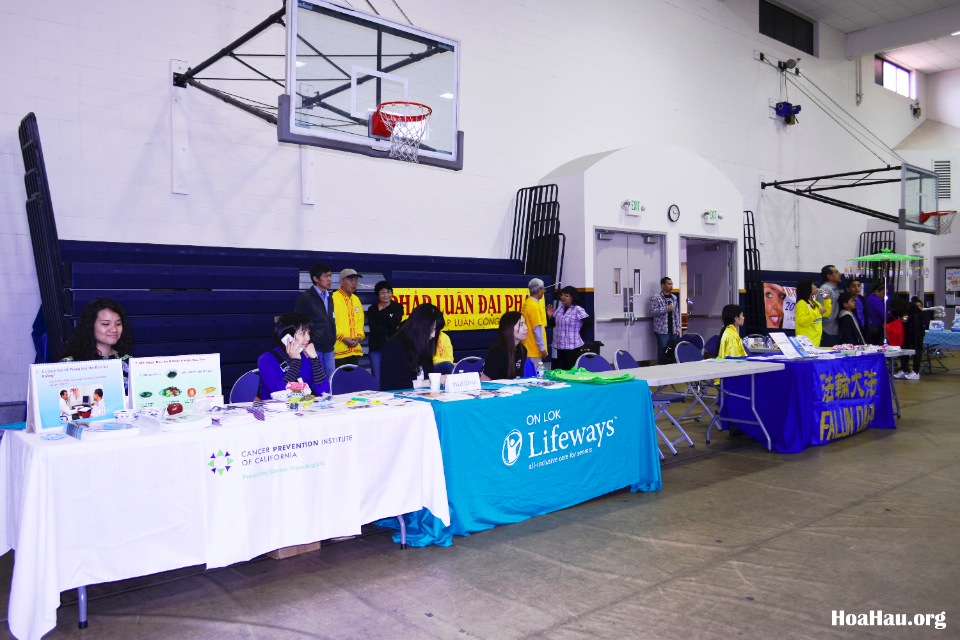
[712, 347]
[468, 364]
[623, 360]
[688, 352]
[693, 338]
[350, 378]
[529, 369]
[246, 388]
[593, 362]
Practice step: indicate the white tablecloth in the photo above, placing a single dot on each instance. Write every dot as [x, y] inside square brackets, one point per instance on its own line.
[82, 513]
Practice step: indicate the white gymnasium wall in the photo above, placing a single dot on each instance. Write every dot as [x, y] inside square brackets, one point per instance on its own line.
[943, 97]
[542, 82]
[656, 175]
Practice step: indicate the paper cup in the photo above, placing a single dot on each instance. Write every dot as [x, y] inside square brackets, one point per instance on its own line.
[435, 382]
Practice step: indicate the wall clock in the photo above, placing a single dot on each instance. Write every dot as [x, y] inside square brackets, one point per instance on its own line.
[673, 213]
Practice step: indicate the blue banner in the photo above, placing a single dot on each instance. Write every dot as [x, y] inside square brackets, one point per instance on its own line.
[814, 402]
[847, 392]
[507, 459]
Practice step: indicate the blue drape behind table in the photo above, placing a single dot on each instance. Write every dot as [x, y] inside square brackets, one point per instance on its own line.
[813, 402]
[508, 459]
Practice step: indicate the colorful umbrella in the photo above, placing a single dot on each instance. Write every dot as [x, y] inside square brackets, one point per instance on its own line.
[886, 255]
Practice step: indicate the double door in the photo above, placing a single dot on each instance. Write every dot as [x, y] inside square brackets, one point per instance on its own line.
[627, 272]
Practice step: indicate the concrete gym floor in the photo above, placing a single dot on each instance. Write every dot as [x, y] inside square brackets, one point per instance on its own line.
[739, 543]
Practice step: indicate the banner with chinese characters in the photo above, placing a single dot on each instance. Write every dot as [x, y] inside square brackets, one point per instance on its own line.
[464, 309]
[848, 392]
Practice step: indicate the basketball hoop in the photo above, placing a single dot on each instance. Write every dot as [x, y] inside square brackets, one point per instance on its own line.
[406, 125]
[944, 220]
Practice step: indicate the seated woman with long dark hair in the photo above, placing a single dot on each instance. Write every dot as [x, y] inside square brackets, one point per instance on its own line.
[408, 354]
[102, 333]
[294, 358]
[507, 356]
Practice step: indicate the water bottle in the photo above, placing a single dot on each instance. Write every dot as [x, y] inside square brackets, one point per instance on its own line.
[540, 370]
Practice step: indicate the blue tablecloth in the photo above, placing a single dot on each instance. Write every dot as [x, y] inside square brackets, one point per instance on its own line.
[813, 402]
[942, 338]
[507, 459]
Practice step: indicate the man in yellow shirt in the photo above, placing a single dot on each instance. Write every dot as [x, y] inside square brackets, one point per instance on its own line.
[348, 313]
[536, 321]
[443, 358]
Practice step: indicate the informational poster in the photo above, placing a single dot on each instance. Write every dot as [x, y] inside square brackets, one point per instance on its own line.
[952, 278]
[464, 309]
[63, 391]
[175, 383]
[779, 306]
[789, 348]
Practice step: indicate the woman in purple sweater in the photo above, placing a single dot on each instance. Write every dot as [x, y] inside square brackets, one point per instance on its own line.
[293, 358]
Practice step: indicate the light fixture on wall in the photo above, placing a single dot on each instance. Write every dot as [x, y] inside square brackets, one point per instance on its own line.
[918, 245]
[789, 65]
[915, 109]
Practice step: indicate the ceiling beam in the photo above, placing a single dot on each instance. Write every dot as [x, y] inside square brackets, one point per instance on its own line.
[903, 32]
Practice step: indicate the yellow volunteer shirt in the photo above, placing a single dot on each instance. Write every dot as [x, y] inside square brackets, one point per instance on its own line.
[444, 349]
[348, 313]
[535, 315]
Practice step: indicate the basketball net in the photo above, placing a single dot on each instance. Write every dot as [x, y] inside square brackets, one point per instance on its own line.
[407, 123]
[944, 220]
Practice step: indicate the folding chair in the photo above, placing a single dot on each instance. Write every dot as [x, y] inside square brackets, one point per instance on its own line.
[687, 352]
[693, 338]
[469, 364]
[593, 362]
[246, 388]
[349, 378]
[623, 360]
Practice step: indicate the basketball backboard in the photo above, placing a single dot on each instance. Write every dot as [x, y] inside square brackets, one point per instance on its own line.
[342, 63]
[918, 195]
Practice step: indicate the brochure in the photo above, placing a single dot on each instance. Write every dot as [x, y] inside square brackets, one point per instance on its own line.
[59, 392]
[176, 384]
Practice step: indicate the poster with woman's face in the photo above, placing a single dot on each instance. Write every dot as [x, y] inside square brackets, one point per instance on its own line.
[779, 304]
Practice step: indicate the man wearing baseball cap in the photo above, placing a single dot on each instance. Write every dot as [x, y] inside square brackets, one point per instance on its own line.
[348, 313]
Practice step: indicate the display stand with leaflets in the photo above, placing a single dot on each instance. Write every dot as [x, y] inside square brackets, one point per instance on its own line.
[176, 384]
[60, 392]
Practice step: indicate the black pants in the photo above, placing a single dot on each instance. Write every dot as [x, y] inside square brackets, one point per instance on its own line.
[905, 361]
[348, 360]
[567, 358]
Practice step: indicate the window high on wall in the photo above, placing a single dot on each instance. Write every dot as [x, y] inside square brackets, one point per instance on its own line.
[787, 27]
[894, 77]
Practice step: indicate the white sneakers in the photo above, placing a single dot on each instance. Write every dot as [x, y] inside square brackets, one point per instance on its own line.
[900, 375]
[912, 376]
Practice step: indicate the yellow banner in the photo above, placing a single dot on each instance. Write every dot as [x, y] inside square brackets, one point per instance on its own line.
[464, 309]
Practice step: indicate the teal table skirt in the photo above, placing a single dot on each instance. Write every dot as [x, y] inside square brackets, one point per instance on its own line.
[508, 459]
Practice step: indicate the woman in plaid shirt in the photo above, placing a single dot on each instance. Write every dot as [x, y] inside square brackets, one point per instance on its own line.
[566, 336]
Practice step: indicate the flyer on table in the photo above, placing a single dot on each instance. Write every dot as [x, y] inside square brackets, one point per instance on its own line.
[63, 391]
[175, 383]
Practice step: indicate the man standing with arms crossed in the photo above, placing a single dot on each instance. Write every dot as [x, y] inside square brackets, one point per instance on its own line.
[317, 304]
[665, 310]
[830, 290]
[536, 320]
[349, 316]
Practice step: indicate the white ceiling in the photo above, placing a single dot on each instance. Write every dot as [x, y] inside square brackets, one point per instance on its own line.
[907, 32]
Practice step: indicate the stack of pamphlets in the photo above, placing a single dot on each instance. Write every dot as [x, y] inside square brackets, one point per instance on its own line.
[101, 429]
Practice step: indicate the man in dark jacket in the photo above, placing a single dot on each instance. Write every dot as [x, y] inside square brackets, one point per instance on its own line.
[317, 304]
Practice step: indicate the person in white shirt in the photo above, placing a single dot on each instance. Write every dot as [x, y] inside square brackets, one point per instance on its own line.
[99, 408]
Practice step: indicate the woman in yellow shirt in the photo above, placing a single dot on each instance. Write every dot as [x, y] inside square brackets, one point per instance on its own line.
[809, 312]
[730, 344]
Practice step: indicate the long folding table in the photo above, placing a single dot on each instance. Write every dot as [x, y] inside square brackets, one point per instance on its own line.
[82, 513]
[687, 372]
